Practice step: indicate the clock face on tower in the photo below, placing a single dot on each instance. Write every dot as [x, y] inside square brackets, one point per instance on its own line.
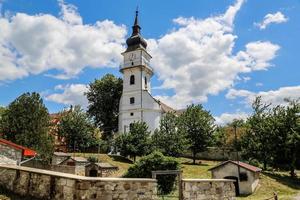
[132, 56]
[136, 58]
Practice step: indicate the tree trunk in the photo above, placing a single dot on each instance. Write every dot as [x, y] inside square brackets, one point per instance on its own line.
[293, 174]
[265, 164]
[194, 157]
[293, 164]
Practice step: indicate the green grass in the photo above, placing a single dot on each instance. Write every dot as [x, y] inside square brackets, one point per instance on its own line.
[270, 182]
[123, 165]
[278, 182]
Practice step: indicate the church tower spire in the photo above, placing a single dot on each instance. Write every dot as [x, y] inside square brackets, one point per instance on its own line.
[136, 27]
[136, 41]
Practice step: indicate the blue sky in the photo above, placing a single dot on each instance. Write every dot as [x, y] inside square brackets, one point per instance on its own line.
[218, 53]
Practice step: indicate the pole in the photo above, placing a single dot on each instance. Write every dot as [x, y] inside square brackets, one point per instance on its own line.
[237, 153]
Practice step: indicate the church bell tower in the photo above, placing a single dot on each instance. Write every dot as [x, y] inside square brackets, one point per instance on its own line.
[137, 73]
[136, 58]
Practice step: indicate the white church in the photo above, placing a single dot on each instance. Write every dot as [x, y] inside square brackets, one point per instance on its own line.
[137, 103]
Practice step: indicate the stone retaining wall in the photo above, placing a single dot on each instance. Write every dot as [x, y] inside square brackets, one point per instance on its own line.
[214, 153]
[45, 184]
[208, 189]
[58, 168]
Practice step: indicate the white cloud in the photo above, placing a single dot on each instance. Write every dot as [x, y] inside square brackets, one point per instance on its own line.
[233, 93]
[34, 44]
[197, 59]
[246, 78]
[276, 97]
[71, 94]
[258, 54]
[69, 13]
[226, 118]
[270, 18]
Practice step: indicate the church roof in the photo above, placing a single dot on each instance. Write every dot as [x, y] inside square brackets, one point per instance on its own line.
[136, 41]
[165, 108]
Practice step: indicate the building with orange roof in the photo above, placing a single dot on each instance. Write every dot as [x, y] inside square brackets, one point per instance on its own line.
[14, 151]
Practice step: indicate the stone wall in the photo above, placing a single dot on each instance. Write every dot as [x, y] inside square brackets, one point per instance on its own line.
[56, 160]
[78, 170]
[215, 153]
[207, 189]
[10, 152]
[58, 168]
[45, 184]
[7, 161]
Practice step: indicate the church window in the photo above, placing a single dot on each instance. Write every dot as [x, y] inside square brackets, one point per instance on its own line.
[131, 100]
[132, 80]
[146, 82]
[130, 126]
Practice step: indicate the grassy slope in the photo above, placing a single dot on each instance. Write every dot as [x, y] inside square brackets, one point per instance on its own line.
[269, 182]
[281, 183]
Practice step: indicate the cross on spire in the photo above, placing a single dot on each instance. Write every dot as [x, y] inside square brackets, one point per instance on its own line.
[136, 27]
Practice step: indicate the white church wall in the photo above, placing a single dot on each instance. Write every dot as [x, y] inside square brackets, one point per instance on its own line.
[126, 80]
[150, 107]
[152, 118]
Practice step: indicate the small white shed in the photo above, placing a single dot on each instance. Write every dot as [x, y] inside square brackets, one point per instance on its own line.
[246, 176]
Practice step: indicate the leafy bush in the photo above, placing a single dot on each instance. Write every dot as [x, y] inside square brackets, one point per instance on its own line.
[92, 159]
[155, 161]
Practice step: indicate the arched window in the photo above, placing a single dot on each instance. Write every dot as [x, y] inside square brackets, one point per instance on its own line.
[132, 80]
[130, 126]
[131, 100]
[146, 82]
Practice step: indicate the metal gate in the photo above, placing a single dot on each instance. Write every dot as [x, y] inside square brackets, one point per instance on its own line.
[177, 191]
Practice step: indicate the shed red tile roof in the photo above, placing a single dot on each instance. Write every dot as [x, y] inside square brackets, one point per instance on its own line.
[26, 151]
[238, 163]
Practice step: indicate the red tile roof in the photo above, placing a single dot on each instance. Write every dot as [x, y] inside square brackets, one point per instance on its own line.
[26, 151]
[239, 163]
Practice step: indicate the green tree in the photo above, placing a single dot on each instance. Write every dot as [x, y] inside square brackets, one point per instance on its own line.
[2, 110]
[258, 142]
[104, 96]
[289, 135]
[77, 128]
[198, 126]
[136, 142]
[152, 162]
[273, 135]
[167, 138]
[26, 122]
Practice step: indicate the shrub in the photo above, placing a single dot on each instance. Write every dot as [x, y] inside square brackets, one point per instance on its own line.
[155, 161]
[92, 159]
